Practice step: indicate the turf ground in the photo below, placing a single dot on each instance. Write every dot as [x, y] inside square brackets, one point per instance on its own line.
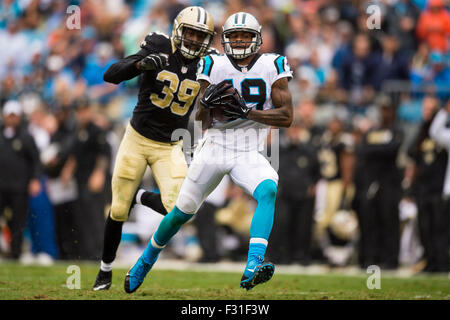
[36, 283]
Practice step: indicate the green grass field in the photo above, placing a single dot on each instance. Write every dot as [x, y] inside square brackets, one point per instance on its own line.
[34, 283]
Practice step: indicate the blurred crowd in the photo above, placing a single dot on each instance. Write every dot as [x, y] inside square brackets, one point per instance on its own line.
[367, 83]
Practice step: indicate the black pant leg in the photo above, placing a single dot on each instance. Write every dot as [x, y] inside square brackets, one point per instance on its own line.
[278, 249]
[207, 231]
[388, 226]
[367, 244]
[424, 207]
[20, 207]
[90, 222]
[302, 224]
[440, 243]
[66, 231]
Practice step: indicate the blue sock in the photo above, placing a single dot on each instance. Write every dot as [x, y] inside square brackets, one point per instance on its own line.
[256, 250]
[262, 221]
[168, 227]
[265, 195]
[151, 253]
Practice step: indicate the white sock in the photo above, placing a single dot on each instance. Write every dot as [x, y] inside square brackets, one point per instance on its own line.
[106, 267]
[139, 195]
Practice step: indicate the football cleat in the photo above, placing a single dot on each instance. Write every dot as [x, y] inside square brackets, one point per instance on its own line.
[103, 281]
[136, 275]
[260, 272]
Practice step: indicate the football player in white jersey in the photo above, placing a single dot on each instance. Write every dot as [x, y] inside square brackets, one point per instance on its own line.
[238, 123]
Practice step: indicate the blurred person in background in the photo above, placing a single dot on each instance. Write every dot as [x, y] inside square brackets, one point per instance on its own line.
[299, 172]
[298, 49]
[440, 133]
[20, 171]
[358, 73]
[88, 163]
[393, 64]
[427, 182]
[99, 90]
[401, 19]
[41, 221]
[344, 48]
[419, 62]
[379, 184]
[62, 196]
[433, 26]
[336, 159]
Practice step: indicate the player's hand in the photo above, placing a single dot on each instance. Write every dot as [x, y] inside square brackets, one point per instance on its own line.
[34, 187]
[96, 181]
[236, 108]
[215, 94]
[153, 61]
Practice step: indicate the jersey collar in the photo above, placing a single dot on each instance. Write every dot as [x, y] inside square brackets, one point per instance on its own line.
[250, 65]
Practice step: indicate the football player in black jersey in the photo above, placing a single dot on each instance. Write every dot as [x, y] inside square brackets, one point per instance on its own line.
[166, 98]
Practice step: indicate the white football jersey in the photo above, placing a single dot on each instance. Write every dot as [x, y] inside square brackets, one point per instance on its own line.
[254, 83]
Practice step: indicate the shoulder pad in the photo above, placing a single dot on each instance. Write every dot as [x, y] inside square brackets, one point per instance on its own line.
[280, 63]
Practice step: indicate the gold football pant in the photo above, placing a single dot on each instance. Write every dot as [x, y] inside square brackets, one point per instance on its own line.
[136, 152]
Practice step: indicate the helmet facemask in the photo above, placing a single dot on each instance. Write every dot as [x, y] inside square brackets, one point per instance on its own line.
[251, 47]
[189, 48]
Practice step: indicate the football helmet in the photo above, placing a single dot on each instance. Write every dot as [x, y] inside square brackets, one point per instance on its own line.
[344, 225]
[241, 21]
[198, 19]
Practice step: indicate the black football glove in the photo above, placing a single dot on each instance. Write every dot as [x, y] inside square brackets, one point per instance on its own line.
[215, 95]
[153, 61]
[236, 107]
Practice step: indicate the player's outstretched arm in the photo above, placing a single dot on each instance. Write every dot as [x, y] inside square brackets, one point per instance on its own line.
[133, 65]
[124, 69]
[282, 114]
[203, 114]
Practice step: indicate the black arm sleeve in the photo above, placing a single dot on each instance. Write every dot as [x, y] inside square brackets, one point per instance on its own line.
[125, 69]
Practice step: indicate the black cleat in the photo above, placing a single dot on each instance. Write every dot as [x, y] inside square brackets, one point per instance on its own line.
[103, 281]
[263, 273]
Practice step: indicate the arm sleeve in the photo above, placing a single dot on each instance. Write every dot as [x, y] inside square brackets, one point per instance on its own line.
[283, 68]
[204, 68]
[438, 131]
[125, 69]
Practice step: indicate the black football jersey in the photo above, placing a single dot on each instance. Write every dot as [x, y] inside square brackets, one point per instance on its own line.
[166, 97]
[330, 156]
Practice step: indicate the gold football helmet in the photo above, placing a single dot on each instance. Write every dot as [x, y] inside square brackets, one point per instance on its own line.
[198, 19]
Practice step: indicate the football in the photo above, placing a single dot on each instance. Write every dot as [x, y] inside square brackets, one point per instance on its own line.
[217, 113]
